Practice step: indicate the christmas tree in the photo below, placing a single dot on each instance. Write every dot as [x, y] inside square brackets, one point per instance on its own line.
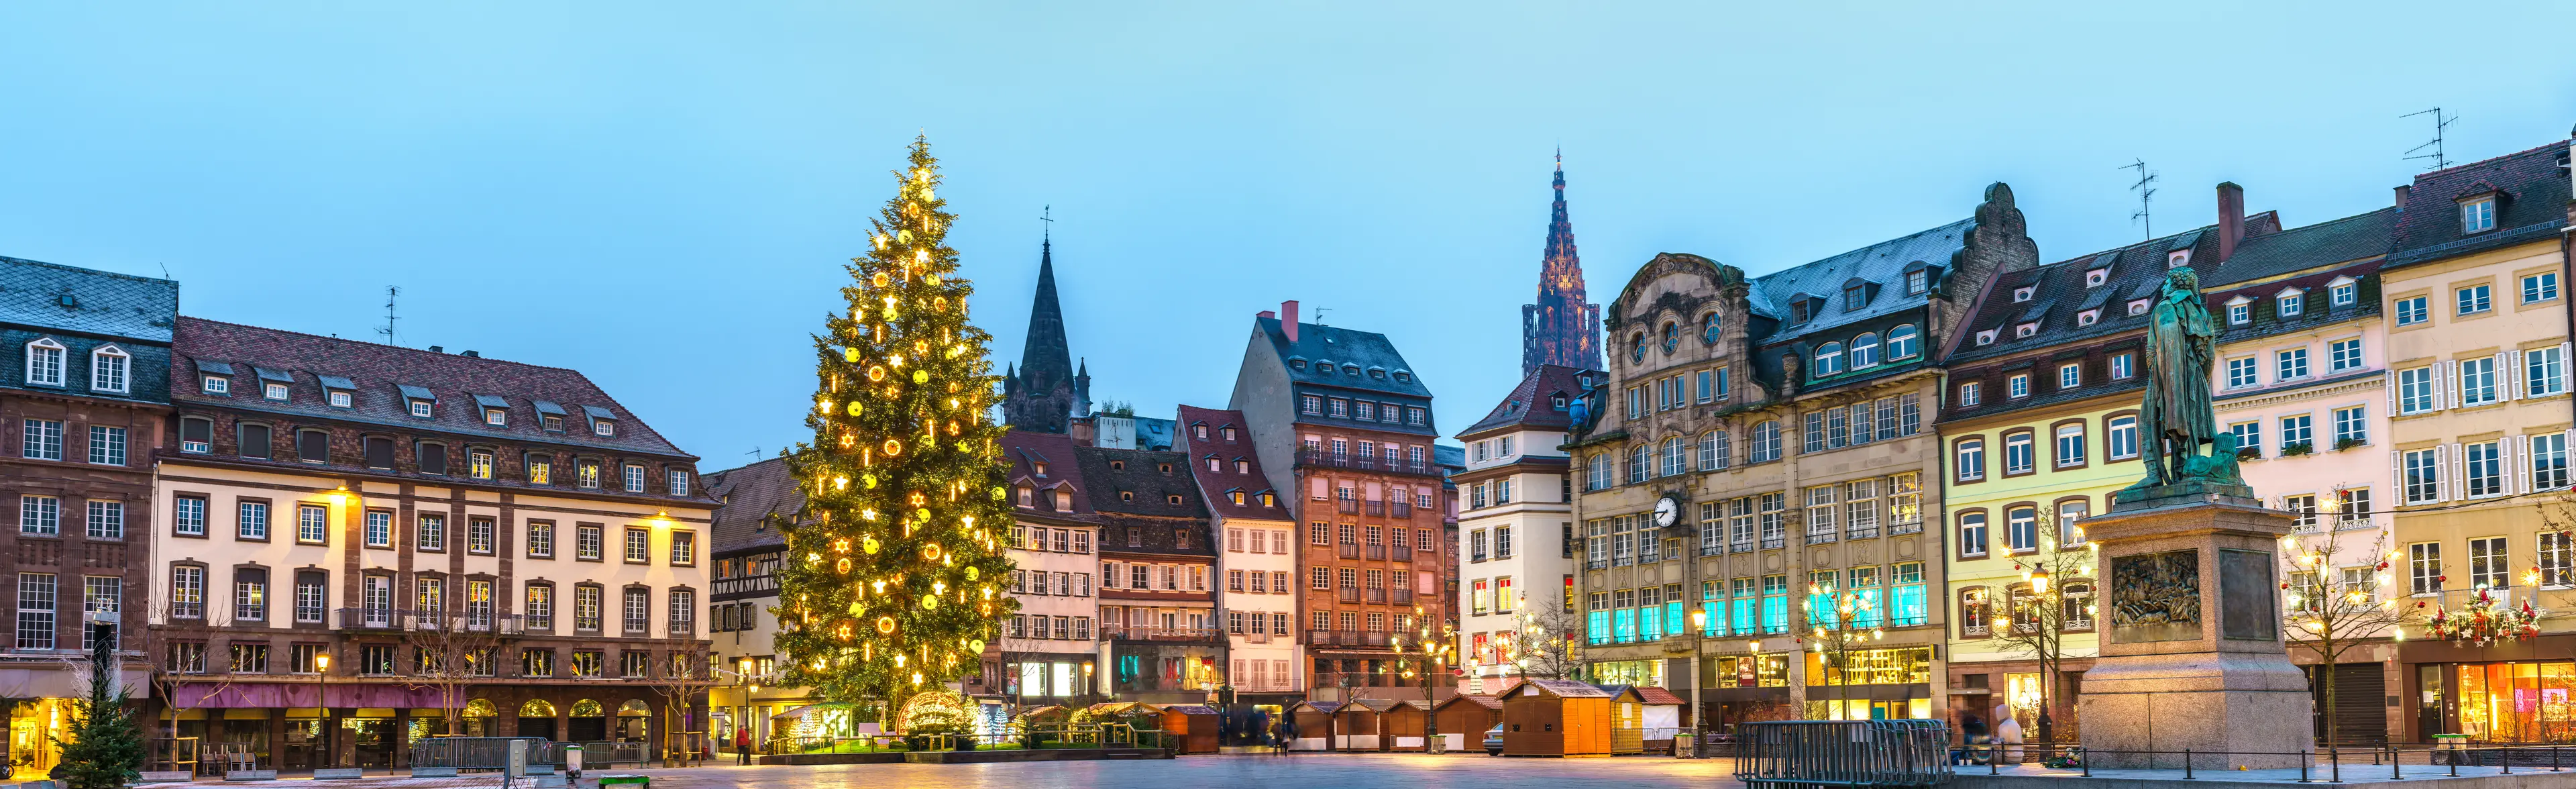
[894, 576]
[104, 749]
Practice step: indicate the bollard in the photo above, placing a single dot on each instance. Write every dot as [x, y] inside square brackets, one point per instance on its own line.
[2186, 765]
[2335, 757]
[2508, 760]
[2304, 760]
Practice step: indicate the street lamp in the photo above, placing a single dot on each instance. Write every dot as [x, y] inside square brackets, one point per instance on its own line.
[322, 701]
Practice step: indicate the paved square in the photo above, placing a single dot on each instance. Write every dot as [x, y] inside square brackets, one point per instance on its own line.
[1302, 771]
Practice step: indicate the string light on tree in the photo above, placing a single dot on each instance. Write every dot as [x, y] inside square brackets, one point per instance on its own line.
[894, 593]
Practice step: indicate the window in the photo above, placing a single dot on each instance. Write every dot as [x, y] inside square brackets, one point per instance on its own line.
[1864, 351]
[2240, 313]
[2411, 311]
[2473, 299]
[2423, 474]
[312, 523]
[2343, 355]
[638, 610]
[253, 523]
[678, 480]
[216, 385]
[2484, 469]
[2018, 453]
[631, 477]
[2070, 445]
[2415, 390]
[2549, 461]
[314, 446]
[105, 594]
[377, 451]
[379, 529]
[45, 363]
[639, 546]
[339, 398]
[2241, 372]
[2121, 437]
[2477, 216]
[1310, 404]
[540, 470]
[187, 591]
[2070, 518]
[2123, 365]
[2297, 431]
[40, 515]
[421, 408]
[2249, 438]
[2292, 363]
[2021, 529]
[2478, 381]
[2544, 372]
[2070, 376]
[106, 445]
[586, 474]
[250, 595]
[196, 436]
[478, 463]
[1972, 534]
[585, 608]
[2554, 565]
[431, 532]
[2017, 386]
[2540, 287]
[1968, 393]
[35, 611]
[2291, 304]
[1829, 359]
[273, 391]
[432, 457]
[478, 535]
[108, 367]
[189, 516]
[1916, 281]
[683, 612]
[2355, 503]
[2351, 427]
[684, 548]
[1972, 460]
[43, 440]
[2487, 565]
[1766, 442]
[1903, 342]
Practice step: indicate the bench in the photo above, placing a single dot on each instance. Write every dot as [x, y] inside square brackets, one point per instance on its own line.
[250, 775]
[336, 773]
[433, 772]
[643, 781]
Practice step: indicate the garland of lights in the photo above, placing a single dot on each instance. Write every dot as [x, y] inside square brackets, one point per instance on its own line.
[2483, 622]
[892, 578]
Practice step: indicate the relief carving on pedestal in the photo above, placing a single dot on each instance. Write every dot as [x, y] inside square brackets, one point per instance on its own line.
[2155, 597]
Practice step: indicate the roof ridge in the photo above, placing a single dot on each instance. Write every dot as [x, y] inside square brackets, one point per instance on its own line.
[1863, 248]
[442, 354]
[65, 267]
[2088, 256]
[2497, 158]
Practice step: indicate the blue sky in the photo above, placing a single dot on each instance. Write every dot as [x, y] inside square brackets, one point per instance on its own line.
[660, 196]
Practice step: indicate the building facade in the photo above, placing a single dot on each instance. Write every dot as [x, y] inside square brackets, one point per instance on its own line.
[1340, 421]
[1049, 651]
[1564, 327]
[443, 531]
[89, 406]
[1517, 520]
[1259, 563]
[1158, 595]
[754, 505]
[1761, 447]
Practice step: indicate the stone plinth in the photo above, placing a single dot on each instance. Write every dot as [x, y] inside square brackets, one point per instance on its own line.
[2192, 654]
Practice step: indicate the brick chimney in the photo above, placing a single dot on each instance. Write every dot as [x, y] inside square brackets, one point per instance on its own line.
[1267, 314]
[2231, 219]
[2401, 191]
[1288, 320]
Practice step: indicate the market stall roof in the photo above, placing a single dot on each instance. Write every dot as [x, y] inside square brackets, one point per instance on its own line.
[1191, 709]
[800, 712]
[1659, 696]
[1125, 708]
[1487, 702]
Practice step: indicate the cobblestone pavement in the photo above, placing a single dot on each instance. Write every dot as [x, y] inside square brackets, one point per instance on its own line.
[1302, 771]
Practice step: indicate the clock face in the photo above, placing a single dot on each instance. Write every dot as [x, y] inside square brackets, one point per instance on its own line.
[1665, 511]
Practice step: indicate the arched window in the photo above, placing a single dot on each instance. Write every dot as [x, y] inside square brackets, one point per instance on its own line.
[1829, 360]
[1637, 348]
[1672, 336]
[1675, 461]
[45, 362]
[1864, 351]
[1708, 451]
[1708, 328]
[1976, 612]
[109, 368]
[1766, 442]
[1641, 464]
[1596, 472]
[1902, 343]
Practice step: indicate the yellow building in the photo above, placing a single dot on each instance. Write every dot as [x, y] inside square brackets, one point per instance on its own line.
[2477, 339]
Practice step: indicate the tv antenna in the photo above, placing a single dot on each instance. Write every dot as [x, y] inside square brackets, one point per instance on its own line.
[2440, 126]
[754, 453]
[1319, 315]
[2146, 195]
[388, 329]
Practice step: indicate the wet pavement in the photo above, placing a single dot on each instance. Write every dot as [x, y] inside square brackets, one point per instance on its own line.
[1299, 771]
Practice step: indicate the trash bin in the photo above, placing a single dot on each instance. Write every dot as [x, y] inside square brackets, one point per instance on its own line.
[572, 761]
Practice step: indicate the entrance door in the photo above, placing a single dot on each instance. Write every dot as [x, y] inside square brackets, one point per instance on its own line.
[2430, 703]
[537, 727]
[304, 746]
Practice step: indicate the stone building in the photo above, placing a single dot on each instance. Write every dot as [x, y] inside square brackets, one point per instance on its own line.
[1259, 561]
[1517, 519]
[409, 504]
[1758, 438]
[1341, 423]
[1564, 327]
[2475, 293]
[1045, 393]
[89, 410]
[1158, 596]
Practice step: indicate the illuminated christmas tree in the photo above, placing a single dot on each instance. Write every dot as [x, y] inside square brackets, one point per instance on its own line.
[893, 578]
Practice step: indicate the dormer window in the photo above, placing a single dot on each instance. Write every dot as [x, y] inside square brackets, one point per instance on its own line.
[340, 398]
[216, 385]
[1229, 432]
[109, 367]
[1198, 432]
[1114, 465]
[2095, 278]
[496, 417]
[2477, 214]
[1027, 498]
[1986, 337]
[603, 423]
[1215, 464]
[421, 408]
[2240, 311]
[2025, 330]
[1855, 297]
[1063, 500]
[2343, 292]
[2292, 303]
[1556, 401]
[1126, 495]
[1268, 501]
[2087, 317]
[1402, 376]
[1350, 369]
[2022, 294]
[1242, 466]
[1040, 467]
[2178, 259]
[1377, 374]
[1166, 468]
[553, 423]
[1293, 364]
[45, 362]
[603, 428]
[2138, 307]
[1916, 281]
[1174, 499]
[273, 391]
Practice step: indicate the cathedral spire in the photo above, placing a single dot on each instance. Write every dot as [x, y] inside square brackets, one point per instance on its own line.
[1044, 394]
[1562, 328]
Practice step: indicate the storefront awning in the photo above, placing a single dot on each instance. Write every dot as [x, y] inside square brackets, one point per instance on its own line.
[267, 695]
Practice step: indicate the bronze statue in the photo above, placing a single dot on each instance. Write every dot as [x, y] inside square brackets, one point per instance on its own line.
[2182, 344]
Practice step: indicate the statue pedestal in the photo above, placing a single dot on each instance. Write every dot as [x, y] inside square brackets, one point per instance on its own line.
[2192, 654]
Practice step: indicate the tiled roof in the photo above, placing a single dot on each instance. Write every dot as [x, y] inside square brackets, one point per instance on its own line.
[750, 495]
[34, 293]
[1487, 702]
[1368, 351]
[1572, 689]
[1025, 450]
[382, 373]
[2532, 205]
[1110, 472]
[1215, 484]
[1530, 403]
[2060, 295]
[1882, 264]
[2321, 244]
[1658, 696]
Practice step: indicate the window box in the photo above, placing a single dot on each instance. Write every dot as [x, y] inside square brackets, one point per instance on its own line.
[2342, 444]
[2295, 450]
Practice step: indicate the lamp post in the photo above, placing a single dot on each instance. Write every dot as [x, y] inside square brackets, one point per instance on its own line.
[1699, 642]
[322, 701]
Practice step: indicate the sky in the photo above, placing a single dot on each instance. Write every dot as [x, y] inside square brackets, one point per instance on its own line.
[662, 195]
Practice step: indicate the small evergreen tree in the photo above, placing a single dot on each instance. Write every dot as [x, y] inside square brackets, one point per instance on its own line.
[105, 750]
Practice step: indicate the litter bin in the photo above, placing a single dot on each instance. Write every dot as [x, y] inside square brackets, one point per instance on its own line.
[572, 761]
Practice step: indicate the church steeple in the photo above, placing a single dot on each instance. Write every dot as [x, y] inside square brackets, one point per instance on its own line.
[1039, 397]
[1562, 328]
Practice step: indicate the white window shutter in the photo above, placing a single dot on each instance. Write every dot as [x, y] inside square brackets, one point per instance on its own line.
[2566, 369]
[2508, 374]
[2518, 452]
[2441, 385]
[2397, 478]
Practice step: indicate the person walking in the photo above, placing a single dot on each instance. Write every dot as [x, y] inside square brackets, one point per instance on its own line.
[742, 745]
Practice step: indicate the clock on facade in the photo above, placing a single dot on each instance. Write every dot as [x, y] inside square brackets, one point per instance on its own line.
[1666, 510]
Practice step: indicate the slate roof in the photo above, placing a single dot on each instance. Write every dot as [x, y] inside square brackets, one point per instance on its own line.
[34, 293]
[1110, 472]
[2059, 294]
[1369, 351]
[1882, 264]
[381, 373]
[1025, 449]
[748, 497]
[1215, 484]
[2324, 243]
[2533, 205]
[1529, 405]
[1572, 689]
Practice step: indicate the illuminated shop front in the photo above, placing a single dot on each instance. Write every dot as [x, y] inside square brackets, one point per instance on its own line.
[2526, 701]
[1629, 672]
[1870, 684]
[1745, 688]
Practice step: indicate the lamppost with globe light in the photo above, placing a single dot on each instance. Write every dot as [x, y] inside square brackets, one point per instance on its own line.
[322, 701]
[1433, 650]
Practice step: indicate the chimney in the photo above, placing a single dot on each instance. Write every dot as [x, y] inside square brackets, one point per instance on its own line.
[475, 354]
[1288, 320]
[2231, 219]
[2401, 191]
[1267, 314]
[437, 349]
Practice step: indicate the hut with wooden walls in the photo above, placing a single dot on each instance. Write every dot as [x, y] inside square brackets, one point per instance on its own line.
[1557, 717]
[1399, 723]
[1627, 720]
[1192, 727]
[1465, 718]
[1665, 712]
[1361, 725]
[1315, 724]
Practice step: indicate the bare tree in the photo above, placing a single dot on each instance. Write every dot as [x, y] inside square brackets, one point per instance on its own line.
[179, 657]
[681, 682]
[2036, 614]
[2334, 601]
[451, 652]
[1841, 622]
[1547, 640]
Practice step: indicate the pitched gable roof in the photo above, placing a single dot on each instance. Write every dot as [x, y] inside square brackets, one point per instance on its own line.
[1530, 405]
[752, 498]
[1110, 472]
[2532, 194]
[1214, 485]
[1025, 450]
[1883, 264]
[2059, 293]
[35, 293]
[1371, 352]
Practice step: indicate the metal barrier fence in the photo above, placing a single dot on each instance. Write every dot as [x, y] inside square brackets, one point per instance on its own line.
[2322, 765]
[477, 753]
[1904, 753]
[598, 755]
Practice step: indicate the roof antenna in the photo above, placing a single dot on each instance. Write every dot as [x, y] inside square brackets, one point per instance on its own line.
[2146, 195]
[165, 270]
[755, 453]
[2440, 125]
[388, 329]
[1319, 315]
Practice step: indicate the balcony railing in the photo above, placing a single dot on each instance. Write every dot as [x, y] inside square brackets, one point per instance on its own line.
[1377, 596]
[1376, 508]
[432, 621]
[1403, 597]
[1256, 637]
[1346, 638]
[1905, 527]
[745, 586]
[1350, 594]
[1404, 553]
[1861, 533]
[1143, 633]
[1712, 549]
[1350, 506]
[1745, 546]
[1819, 538]
[1348, 550]
[1769, 543]
[1365, 463]
[1375, 553]
[1400, 509]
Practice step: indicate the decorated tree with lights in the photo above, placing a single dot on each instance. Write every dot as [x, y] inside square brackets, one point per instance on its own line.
[893, 580]
[2338, 594]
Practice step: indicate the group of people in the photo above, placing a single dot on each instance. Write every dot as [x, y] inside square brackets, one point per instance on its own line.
[1979, 747]
[1256, 727]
